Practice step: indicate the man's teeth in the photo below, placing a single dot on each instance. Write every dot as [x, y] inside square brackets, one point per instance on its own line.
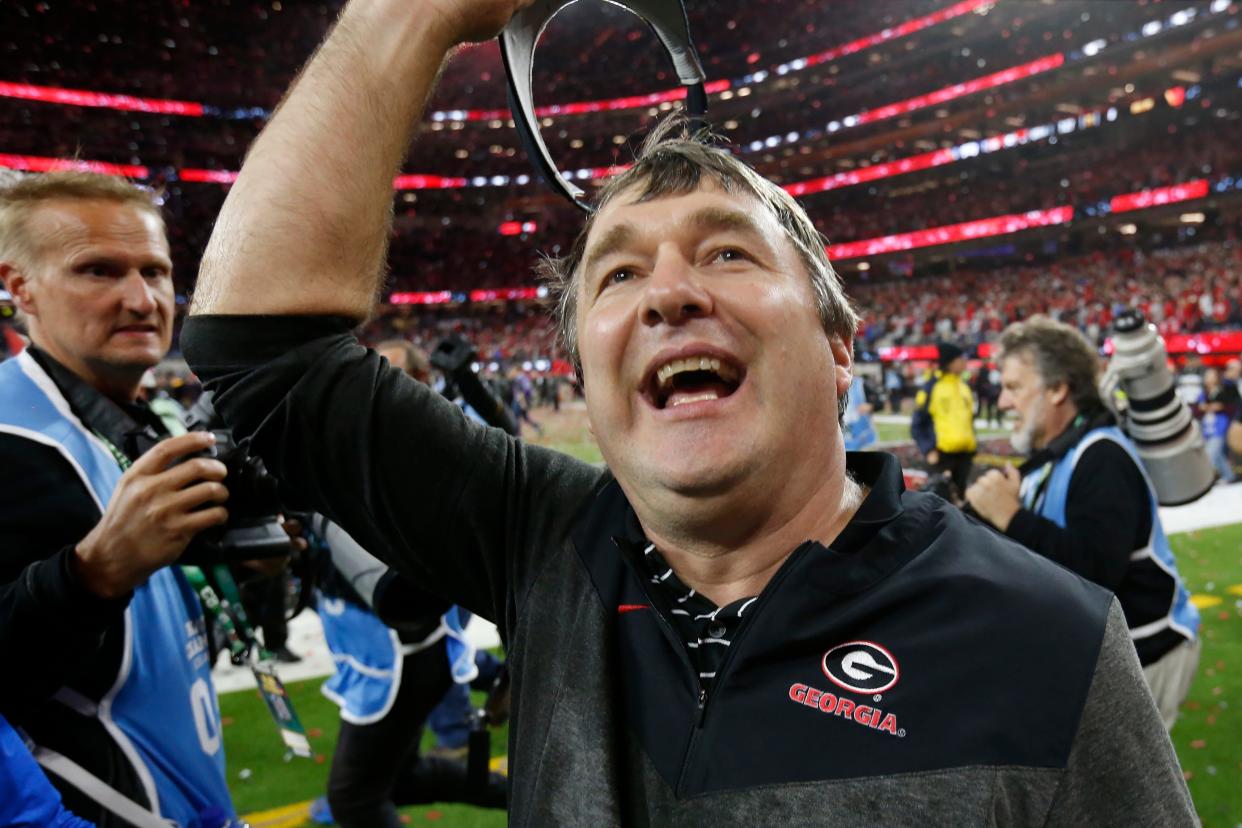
[677, 366]
[682, 399]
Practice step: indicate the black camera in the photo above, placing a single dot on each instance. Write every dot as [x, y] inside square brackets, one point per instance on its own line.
[453, 358]
[254, 528]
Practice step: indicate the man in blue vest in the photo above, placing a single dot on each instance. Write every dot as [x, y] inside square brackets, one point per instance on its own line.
[110, 675]
[1083, 499]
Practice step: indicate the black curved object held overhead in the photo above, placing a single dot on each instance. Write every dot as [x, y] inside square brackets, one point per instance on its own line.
[667, 18]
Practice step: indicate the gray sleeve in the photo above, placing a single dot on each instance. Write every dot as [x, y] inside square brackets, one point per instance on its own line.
[1122, 769]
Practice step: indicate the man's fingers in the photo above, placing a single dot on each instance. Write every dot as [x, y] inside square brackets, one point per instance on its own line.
[167, 451]
[191, 471]
[1012, 475]
[194, 522]
[191, 498]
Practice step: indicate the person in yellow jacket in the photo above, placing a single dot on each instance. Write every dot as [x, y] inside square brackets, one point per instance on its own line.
[944, 419]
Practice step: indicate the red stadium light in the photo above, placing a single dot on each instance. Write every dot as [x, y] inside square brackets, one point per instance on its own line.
[208, 176]
[875, 172]
[958, 90]
[504, 294]
[81, 97]
[426, 182]
[908, 353]
[517, 228]
[1160, 196]
[35, 163]
[1202, 344]
[907, 28]
[421, 297]
[966, 231]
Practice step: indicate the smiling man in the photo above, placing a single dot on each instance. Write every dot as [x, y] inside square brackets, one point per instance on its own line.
[734, 623]
[105, 641]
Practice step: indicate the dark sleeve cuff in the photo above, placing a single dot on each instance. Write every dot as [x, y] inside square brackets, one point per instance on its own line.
[213, 344]
[1025, 527]
[64, 599]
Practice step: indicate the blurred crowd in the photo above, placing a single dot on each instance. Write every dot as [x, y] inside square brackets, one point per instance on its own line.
[1181, 290]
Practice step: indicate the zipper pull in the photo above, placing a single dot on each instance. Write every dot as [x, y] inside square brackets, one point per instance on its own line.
[702, 707]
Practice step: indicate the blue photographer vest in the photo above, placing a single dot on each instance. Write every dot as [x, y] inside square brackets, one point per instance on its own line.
[368, 656]
[1182, 615]
[161, 710]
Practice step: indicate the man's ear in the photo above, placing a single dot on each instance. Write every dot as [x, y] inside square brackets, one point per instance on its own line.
[843, 356]
[17, 283]
[1059, 394]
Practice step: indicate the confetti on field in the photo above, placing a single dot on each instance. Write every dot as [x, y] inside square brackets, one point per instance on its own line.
[1202, 601]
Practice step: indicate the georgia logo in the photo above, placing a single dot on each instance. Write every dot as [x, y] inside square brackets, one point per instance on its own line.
[861, 667]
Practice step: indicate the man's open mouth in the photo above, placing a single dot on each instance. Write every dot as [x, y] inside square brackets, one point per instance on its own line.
[692, 379]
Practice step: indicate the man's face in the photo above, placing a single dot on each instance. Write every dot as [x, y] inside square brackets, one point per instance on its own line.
[703, 357]
[1023, 392]
[957, 366]
[99, 294]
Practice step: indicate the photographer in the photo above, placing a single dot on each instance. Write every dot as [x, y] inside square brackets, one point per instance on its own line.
[1082, 499]
[111, 678]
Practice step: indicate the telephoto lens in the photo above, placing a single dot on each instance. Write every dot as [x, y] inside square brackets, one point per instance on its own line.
[1156, 419]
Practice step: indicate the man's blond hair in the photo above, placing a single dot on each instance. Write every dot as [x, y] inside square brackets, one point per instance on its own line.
[21, 198]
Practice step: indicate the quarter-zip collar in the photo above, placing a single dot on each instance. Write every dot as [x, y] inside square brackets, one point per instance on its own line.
[879, 472]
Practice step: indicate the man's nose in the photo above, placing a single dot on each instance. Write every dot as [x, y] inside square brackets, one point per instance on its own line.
[674, 291]
[137, 295]
[1004, 402]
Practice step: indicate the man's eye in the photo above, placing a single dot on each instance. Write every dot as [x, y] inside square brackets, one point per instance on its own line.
[729, 254]
[96, 270]
[618, 276]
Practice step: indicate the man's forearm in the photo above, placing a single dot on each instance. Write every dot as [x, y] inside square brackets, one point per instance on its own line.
[304, 228]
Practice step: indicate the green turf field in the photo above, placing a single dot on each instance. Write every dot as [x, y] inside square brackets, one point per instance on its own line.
[1208, 737]
[261, 780]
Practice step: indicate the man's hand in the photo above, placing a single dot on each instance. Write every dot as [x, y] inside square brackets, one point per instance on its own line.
[156, 509]
[995, 496]
[933, 457]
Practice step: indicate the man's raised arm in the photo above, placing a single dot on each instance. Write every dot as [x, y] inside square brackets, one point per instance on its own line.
[304, 229]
